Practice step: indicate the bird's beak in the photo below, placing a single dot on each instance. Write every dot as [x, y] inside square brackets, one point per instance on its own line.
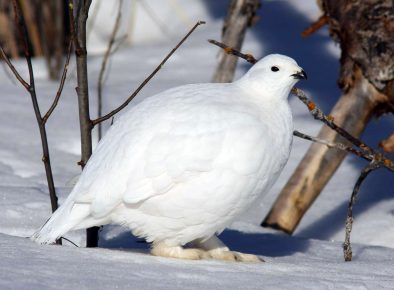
[300, 75]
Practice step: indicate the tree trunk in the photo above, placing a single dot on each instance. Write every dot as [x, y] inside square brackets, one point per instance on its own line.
[86, 126]
[241, 14]
[364, 30]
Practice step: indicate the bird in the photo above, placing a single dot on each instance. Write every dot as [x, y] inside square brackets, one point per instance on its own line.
[179, 167]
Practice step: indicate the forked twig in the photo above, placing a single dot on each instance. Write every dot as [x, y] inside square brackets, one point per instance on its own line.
[30, 87]
[113, 112]
[318, 114]
[339, 146]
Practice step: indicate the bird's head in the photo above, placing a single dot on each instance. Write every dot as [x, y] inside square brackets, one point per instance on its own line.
[273, 75]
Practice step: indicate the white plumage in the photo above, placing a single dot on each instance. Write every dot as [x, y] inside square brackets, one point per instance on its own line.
[180, 166]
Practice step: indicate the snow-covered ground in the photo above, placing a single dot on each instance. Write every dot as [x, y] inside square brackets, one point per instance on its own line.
[311, 259]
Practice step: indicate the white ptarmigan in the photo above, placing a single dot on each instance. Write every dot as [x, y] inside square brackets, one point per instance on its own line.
[180, 166]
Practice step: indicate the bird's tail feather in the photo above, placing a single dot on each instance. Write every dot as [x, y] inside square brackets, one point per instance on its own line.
[62, 220]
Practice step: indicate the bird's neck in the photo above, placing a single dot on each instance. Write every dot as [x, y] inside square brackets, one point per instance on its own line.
[264, 94]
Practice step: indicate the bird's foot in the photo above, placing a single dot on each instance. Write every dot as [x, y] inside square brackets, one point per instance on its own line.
[216, 249]
[179, 252]
[228, 255]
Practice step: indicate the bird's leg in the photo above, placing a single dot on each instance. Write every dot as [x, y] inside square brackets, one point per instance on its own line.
[216, 249]
[163, 250]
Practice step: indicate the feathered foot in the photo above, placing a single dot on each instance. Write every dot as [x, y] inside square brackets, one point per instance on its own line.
[178, 252]
[216, 249]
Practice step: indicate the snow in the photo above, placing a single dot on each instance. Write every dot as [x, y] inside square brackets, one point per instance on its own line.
[291, 263]
[311, 259]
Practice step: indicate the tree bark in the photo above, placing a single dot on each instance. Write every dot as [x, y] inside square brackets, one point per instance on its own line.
[86, 126]
[364, 30]
[241, 14]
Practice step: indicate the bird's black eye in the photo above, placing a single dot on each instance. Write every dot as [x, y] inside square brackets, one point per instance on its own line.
[274, 68]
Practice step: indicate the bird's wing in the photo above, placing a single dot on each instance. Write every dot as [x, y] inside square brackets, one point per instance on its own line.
[159, 144]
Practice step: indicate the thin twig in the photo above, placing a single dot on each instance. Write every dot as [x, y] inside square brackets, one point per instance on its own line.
[366, 151]
[347, 247]
[112, 113]
[229, 50]
[339, 146]
[318, 114]
[21, 25]
[68, 240]
[104, 65]
[13, 69]
[61, 84]
[22, 29]
[7, 71]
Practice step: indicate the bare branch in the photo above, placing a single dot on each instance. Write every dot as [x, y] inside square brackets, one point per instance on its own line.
[21, 26]
[104, 64]
[365, 151]
[319, 115]
[61, 85]
[22, 29]
[13, 69]
[347, 247]
[227, 49]
[112, 113]
[339, 146]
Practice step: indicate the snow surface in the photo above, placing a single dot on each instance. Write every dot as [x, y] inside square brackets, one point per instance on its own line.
[311, 259]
